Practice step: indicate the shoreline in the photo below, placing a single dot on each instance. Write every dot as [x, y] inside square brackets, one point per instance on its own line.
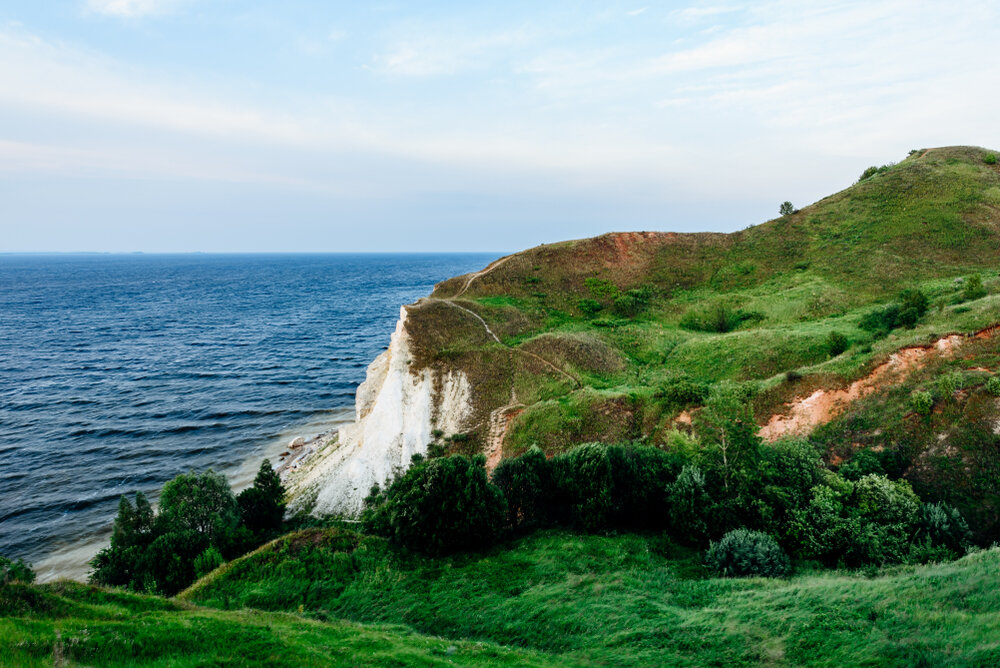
[71, 559]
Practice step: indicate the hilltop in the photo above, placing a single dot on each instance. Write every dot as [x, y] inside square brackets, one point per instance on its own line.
[589, 340]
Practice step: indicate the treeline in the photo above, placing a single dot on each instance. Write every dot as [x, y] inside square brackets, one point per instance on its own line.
[754, 504]
[200, 524]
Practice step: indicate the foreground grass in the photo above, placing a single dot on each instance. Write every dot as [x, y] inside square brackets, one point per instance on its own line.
[629, 600]
[73, 624]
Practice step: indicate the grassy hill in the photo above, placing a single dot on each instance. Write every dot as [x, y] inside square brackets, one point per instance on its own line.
[581, 340]
[72, 624]
[627, 600]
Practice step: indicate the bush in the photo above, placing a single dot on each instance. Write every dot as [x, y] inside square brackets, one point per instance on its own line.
[837, 343]
[207, 561]
[745, 553]
[875, 171]
[990, 159]
[993, 386]
[526, 483]
[15, 571]
[973, 288]
[717, 317]
[683, 391]
[911, 307]
[439, 506]
[589, 307]
[786, 208]
[689, 503]
[944, 526]
[922, 402]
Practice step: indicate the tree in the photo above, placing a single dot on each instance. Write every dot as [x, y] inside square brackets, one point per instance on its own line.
[202, 503]
[438, 506]
[262, 506]
[727, 423]
[15, 571]
[786, 208]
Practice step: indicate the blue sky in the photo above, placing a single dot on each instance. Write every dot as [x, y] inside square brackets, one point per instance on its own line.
[217, 125]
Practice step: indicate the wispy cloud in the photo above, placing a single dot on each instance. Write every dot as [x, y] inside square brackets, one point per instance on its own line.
[448, 50]
[133, 8]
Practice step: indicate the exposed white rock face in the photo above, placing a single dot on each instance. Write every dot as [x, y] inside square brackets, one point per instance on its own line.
[396, 412]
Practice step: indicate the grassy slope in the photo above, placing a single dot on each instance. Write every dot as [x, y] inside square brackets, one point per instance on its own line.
[924, 223]
[631, 600]
[69, 624]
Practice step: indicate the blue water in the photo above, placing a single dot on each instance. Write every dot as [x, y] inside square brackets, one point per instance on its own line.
[119, 372]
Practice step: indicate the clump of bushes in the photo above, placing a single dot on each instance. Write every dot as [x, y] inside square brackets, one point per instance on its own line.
[200, 523]
[973, 288]
[911, 306]
[836, 343]
[922, 402]
[746, 553]
[875, 171]
[717, 317]
[438, 506]
[993, 386]
[990, 158]
[683, 391]
[15, 571]
[589, 307]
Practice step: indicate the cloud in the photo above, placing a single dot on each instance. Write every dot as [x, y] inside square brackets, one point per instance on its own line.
[426, 52]
[636, 12]
[132, 8]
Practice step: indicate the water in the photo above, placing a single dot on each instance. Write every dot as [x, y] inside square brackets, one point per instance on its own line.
[119, 372]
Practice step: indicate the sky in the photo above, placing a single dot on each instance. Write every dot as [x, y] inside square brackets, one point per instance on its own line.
[304, 126]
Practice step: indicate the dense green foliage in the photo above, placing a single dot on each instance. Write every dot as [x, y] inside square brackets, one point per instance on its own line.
[200, 523]
[15, 571]
[628, 599]
[745, 553]
[438, 506]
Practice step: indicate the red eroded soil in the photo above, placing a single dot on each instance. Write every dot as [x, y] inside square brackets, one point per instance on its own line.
[806, 413]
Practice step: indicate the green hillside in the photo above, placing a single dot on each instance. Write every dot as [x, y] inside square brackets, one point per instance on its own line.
[69, 624]
[627, 600]
[587, 340]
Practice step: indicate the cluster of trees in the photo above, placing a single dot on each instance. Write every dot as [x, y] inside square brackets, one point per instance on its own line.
[15, 571]
[200, 524]
[753, 504]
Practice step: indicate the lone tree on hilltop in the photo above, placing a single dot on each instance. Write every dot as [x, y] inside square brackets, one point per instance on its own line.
[786, 208]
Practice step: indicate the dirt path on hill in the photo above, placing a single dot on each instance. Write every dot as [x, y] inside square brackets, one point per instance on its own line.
[500, 419]
[573, 379]
[804, 414]
[477, 274]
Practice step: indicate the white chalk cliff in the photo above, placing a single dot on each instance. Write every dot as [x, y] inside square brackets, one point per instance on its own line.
[396, 413]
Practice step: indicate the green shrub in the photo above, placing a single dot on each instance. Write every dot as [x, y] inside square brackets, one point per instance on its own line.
[950, 383]
[836, 343]
[683, 391]
[922, 402]
[631, 303]
[944, 526]
[973, 288]
[993, 386]
[990, 159]
[874, 171]
[526, 483]
[439, 506]
[207, 561]
[786, 208]
[717, 317]
[907, 312]
[689, 503]
[15, 571]
[589, 307]
[745, 553]
[601, 288]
